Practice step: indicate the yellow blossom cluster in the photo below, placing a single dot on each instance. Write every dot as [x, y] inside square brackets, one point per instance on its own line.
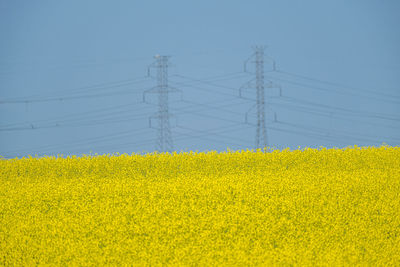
[329, 207]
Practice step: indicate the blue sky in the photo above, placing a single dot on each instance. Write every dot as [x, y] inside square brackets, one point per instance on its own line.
[72, 73]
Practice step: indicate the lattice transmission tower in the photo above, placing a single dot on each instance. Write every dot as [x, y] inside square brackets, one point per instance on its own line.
[164, 137]
[261, 137]
[261, 131]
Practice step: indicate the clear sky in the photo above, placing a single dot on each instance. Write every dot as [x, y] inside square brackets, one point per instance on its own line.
[72, 73]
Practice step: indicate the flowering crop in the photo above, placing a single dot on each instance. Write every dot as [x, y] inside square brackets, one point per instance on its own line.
[301, 207]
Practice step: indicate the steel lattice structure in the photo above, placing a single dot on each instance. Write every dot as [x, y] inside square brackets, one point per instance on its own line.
[261, 131]
[164, 137]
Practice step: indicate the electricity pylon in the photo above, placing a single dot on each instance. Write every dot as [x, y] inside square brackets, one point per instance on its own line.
[261, 137]
[164, 138]
[261, 131]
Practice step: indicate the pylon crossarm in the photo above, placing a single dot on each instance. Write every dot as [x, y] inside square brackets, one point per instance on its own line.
[270, 59]
[246, 61]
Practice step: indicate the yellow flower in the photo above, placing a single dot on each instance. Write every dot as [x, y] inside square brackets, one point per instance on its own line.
[301, 207]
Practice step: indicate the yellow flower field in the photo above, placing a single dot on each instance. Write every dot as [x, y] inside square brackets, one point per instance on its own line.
[302, 207]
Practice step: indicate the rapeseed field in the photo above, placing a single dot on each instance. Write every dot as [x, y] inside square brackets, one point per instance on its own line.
[328, 207]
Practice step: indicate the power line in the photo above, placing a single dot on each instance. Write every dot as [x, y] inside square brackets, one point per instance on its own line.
[38, 99]
[211, 116]
[215, 108]
[332, 90]
[215, 78]
[327, 113]
[80, 64]
[361, 137]
[83, 141]
[179, 137]
[241, 141]
[112, 120]
[211, 82]
[344, 110]
[339, 85]
[105, 119]
[379, 116]
[71, 116]
[60, 99]
[307, 134]
[122, 113]
[201, 88]
[210, 139]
